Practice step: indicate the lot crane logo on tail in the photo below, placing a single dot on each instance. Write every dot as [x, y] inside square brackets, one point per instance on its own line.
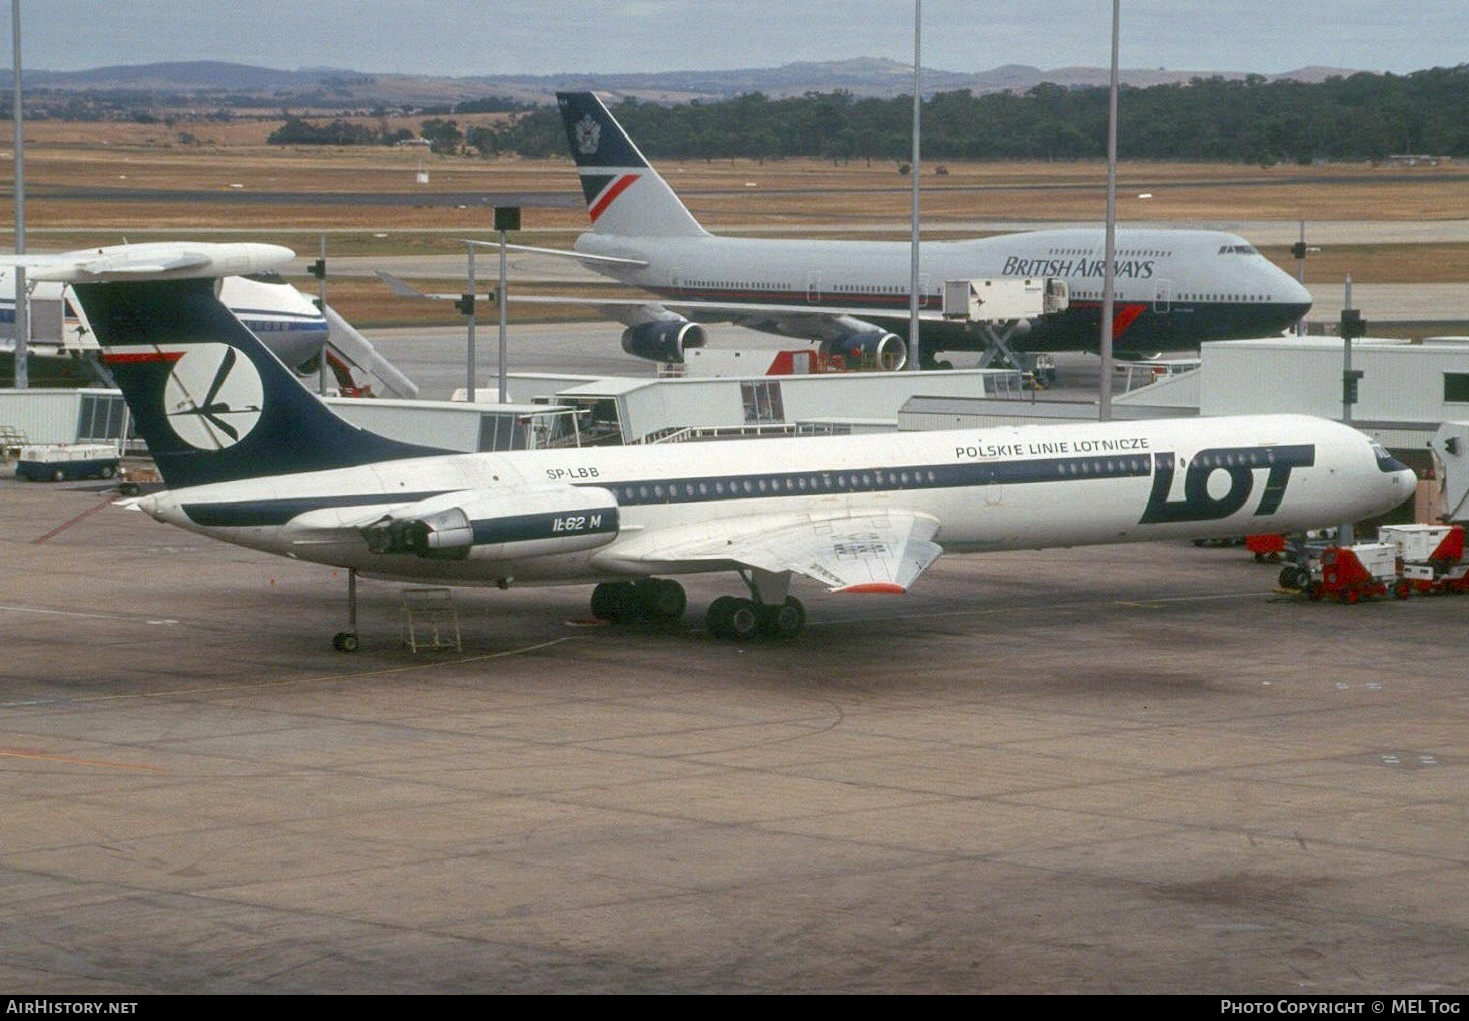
[231, 402]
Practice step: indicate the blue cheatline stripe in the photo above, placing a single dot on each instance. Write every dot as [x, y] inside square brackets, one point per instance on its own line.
[720, 488]
[708, 489]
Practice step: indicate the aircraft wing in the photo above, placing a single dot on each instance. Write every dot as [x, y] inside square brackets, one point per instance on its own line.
[563, 253]
[713, 311]
[632, 311]
[858, 551]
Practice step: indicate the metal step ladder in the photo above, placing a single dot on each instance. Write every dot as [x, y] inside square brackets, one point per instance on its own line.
[430, 620]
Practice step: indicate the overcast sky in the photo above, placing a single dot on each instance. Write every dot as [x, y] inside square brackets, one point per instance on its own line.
[474, 37]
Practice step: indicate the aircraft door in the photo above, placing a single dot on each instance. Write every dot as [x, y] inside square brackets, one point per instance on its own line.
[1163, 296]
[813, 286]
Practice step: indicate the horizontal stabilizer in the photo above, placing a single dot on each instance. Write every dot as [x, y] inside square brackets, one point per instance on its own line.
[163, 260]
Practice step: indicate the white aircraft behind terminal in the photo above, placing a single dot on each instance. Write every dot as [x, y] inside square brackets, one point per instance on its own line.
[290, 324]
[251, 457]
[1173, 288]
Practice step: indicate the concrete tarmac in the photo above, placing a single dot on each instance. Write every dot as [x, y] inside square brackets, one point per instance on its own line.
[1129, 769]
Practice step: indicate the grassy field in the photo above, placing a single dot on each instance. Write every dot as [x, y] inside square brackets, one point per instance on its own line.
[100, 184]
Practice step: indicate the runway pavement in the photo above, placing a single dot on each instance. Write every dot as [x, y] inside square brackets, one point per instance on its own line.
[1131, 769]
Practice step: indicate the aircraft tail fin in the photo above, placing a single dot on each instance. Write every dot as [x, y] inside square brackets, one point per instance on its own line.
[624, 194]
[211, 401]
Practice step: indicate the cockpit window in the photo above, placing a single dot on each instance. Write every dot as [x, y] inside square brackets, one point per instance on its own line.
[1385, 461]
[1238, 250]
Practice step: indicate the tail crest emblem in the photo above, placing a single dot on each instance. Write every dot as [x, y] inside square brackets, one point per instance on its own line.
[588, 135]
[233, 397]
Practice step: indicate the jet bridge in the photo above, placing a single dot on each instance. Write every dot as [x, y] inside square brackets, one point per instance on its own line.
[1450, 446]
[1000, 308]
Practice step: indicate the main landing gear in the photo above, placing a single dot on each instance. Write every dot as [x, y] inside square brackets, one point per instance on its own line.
[768, 613]
[635, 602]
[742, 620]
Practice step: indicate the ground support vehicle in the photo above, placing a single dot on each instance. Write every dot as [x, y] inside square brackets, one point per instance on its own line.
[1430, 557]
[58, 462]
[1345, 573]
[1269, 548]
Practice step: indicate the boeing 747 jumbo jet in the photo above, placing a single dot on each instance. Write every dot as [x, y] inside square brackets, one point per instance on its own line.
[251, 457]
[1173, 288]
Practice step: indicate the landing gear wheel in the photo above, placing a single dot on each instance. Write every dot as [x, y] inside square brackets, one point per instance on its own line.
[783, 621]
[716, 618]
[616, 601]
[744, 621]
[661, 599]
[345, 641]
[732, 618]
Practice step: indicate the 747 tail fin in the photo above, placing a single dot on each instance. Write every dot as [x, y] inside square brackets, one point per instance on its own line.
[624, 194]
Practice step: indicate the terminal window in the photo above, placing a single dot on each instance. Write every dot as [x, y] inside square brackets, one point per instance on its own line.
[1456, 387]
[762, 402]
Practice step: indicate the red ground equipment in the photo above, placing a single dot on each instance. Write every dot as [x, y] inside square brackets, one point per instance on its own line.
[1265, 547]
[1430, 558]
[1350, 573]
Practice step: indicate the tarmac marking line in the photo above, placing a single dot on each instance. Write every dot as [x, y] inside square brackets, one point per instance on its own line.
[76, 520]
[21, 754]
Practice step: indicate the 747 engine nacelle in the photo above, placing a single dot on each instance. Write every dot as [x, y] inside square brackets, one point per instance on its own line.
[474, 524]
[663, 341]
[862, 345]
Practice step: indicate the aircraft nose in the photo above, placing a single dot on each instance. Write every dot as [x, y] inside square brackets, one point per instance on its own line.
[1295, 292]
[1399, 481]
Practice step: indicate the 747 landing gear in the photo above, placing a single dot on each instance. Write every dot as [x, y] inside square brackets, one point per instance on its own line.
[632, 602]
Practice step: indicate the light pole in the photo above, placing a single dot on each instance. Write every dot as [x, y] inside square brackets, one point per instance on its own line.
[913, 346]
[22, 303]
[1109, 272]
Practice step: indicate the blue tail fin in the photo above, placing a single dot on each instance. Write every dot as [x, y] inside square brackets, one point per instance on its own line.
[212, 403]
[624, 194]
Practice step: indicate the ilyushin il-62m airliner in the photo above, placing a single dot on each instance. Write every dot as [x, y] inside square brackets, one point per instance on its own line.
[253, 458]
[1173, 288]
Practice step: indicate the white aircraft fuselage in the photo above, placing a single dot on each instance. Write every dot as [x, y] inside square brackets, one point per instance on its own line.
[1173, 289]
[987, 489]
[250, 457]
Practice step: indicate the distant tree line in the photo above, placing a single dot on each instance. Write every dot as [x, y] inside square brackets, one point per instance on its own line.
[298, 131]
[1357, 117]
[1360, 117]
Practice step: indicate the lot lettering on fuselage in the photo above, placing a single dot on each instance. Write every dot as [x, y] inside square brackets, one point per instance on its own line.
[1050, 448]
[1240, 464]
